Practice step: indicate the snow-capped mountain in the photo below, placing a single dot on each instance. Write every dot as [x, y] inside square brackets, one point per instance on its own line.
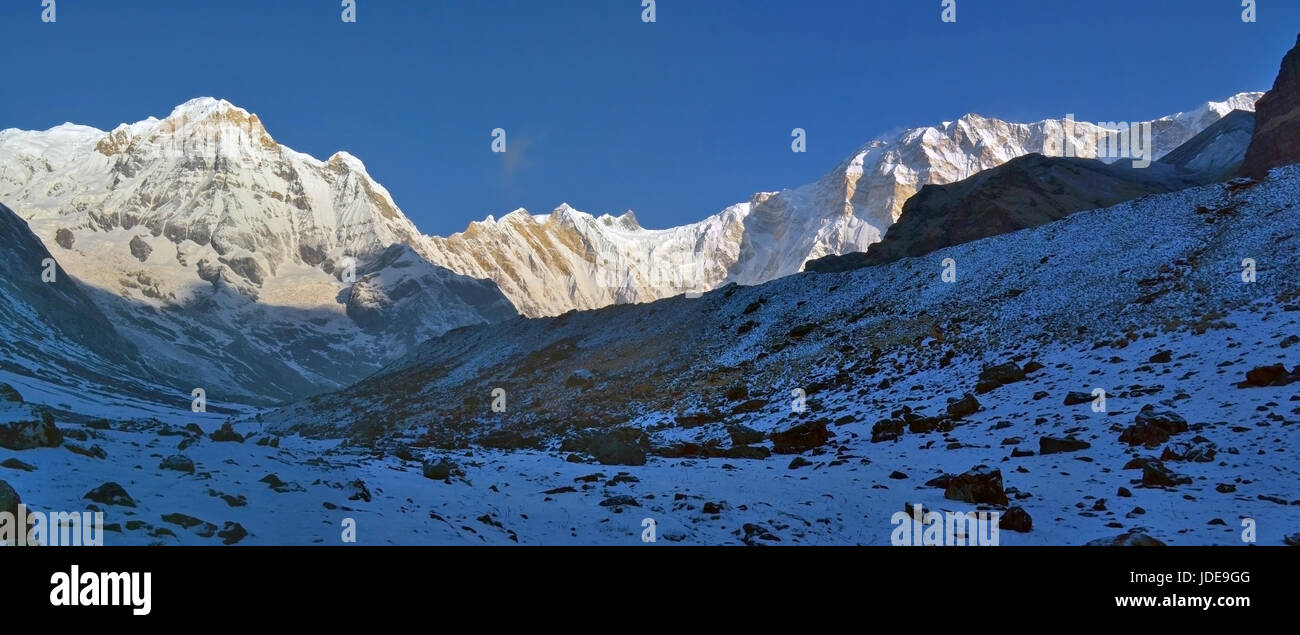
[239, 265]
[551, 263]
[263, 273]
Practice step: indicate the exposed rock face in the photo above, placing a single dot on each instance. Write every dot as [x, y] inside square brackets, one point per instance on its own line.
[1277, 121]
[139, 248]
[64, 238]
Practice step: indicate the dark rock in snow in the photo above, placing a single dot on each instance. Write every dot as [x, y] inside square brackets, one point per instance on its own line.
[182, 520]
[9, 499]
[621, 500]
[509, 440]
[280, 486]
[226, 434]
[110, 494]
[1016, 519]
[1155, 474]
[27, 435]
[1054, 445]
[742, 435]
[993, 377]
[439, 471]
[619, 446]
[979, 485]
[179, 463]
[1129, 539]
[1198, 450]
[747, 452]
[15, 464]
[357, 491]
[1275, 375]
[886, 430]
[967, 405]
[1153, 427]
[94, 452]
[940, 481]
[232, 533]
[140, 249]
[800, 438]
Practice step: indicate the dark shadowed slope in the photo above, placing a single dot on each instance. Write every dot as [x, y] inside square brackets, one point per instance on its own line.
[53, 333]
[1023, 193]
[34, 308]
[1218, 151]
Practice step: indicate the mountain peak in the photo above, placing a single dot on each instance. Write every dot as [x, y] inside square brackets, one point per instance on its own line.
[348, 160]
[205, 115]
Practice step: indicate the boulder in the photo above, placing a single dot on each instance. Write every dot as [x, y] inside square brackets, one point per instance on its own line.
[178, 463]
[1016, 519]
[110, 494]
[27, 435]
[886, 430]
[993, 377]
[742, 435]
[617, 446]
[967, 405]
[1274, 375]
[440, 470]
[509, 440]
[1054, 445]
[1127, 539]
[226, 434]
[9, 499]
[979, 485]
[800, 438]
[232, 533]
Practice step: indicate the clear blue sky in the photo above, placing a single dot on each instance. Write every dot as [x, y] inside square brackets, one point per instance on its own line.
[675, 119]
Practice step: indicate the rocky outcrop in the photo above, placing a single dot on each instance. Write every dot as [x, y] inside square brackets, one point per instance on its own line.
[27, 435]
[1276, 141]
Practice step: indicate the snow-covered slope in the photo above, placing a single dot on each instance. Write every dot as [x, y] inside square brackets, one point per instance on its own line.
[693, 402]
[231, 259]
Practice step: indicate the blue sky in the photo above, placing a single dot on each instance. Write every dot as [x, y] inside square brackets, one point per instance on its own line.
[675, 119]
